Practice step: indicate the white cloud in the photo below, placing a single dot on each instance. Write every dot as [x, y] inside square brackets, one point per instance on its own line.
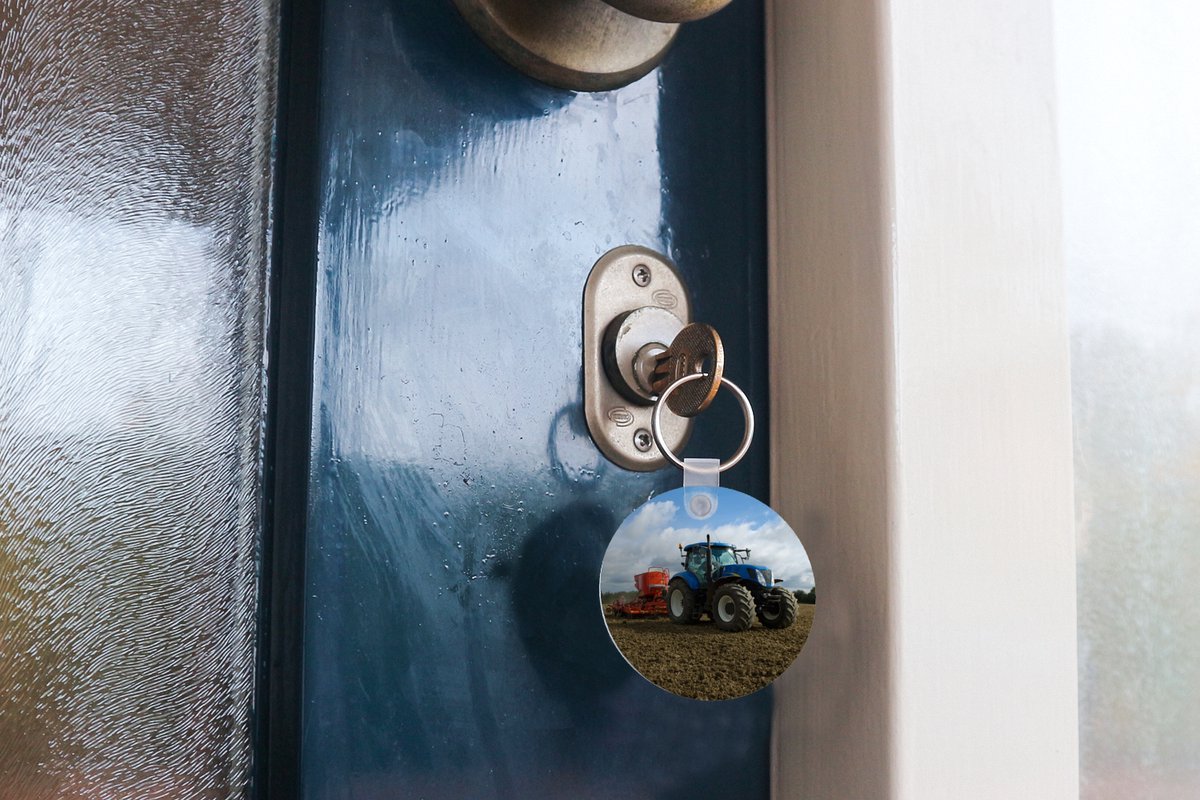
[649, 519]
[638, 545]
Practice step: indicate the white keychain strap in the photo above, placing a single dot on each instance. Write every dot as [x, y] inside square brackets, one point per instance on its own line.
[702, 472]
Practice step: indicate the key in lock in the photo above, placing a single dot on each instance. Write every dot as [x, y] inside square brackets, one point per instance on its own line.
[640, 365]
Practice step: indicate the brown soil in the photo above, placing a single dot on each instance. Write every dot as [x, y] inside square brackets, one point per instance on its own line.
[702, 662]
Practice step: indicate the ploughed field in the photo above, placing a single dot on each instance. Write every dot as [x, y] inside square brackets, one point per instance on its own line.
[702, 662]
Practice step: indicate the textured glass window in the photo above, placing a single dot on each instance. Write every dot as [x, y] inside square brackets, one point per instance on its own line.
[134, 157]
[1130, 143]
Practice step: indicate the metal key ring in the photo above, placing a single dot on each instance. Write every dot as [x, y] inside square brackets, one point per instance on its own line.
[747, 411]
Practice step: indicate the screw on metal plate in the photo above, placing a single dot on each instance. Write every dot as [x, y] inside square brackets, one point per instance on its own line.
[642, 275]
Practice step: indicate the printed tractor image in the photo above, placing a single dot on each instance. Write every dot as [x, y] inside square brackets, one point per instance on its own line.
[651, 600]
[718, 581]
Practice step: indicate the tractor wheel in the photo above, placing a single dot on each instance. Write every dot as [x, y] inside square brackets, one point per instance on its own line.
[681, 603]
[733, 608]
[778, 609]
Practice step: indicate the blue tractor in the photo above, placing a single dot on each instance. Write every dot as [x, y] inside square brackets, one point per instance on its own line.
[717, 580]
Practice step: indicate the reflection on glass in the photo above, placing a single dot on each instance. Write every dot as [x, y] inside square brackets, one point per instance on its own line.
[133, 165]
[1130, 123]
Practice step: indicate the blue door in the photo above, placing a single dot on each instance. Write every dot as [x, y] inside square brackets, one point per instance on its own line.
[454, 510]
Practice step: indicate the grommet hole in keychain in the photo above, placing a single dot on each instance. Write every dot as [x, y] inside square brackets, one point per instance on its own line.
[707, 592]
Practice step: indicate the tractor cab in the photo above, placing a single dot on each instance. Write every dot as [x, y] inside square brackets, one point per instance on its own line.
[727, 562]
[696, 558]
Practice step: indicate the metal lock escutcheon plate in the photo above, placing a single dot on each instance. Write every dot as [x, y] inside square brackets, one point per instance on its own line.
[633, 295]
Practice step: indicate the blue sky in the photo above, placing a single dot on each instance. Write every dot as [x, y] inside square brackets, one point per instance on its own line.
[648, 538]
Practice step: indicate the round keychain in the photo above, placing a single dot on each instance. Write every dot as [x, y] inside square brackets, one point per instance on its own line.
[707, 592]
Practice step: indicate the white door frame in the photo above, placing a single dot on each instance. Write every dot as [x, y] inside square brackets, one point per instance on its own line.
[920, 399]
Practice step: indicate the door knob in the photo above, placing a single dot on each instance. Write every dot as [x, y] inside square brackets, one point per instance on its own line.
[669, 10]
[583, 45]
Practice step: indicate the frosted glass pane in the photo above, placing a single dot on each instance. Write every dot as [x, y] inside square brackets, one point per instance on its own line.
[1130, 142]
[134, 154]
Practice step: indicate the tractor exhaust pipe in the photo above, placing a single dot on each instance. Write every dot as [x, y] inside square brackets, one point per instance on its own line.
[708, 592]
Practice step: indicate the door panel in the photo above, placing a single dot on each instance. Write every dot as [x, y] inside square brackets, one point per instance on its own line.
[458, 511]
